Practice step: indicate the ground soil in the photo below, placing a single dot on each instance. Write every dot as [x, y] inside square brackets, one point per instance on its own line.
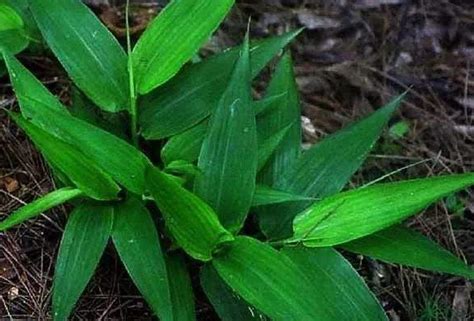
[352, 58]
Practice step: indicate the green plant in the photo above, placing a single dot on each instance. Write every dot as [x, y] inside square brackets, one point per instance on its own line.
[225, 157]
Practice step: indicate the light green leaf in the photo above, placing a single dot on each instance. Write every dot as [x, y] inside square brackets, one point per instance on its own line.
[265, 195]
[272, 283]
[190, 220]
[9, 18]
[40, 205]
[83, 173]
[137, 242]
[173, 38]
[228, 305]
[87, 50]
[84, 240]
[401, 245]
[195, 92]
[228, 158]
[104, 149]
[363, 211]
[27, 88]
[325, 169]
[182, 296]
[340, 285]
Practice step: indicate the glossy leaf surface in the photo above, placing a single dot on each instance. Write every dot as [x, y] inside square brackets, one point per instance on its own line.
[195, 92]
[136, 239]
[182, 296]
[173, 38]
[84, 240]
[363, 211]
[265, 195]
[401, 245]
[189, 219]
[40, 205]
[228, 157]
[87, 50]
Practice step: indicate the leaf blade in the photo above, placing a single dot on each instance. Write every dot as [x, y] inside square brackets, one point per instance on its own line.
[326, 223]
[181, 289]
[40, 205]
[173, 38]
[401, 245]
[134, 232]
[87, 50]
[84, 240]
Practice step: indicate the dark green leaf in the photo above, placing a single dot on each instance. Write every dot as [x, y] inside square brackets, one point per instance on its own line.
[84, 240]
[181, 290]
[339, 284]
[181, 167]
[83, 173]
[103, 148]
[268, 146]
[137, 242]
[87, 50]
[194, 93]
[272, 283]
[173, 38]
[363, 211]
[40, 205]
[265, 195]
[325, 169]
[401, 245]
[228, 305]
[228, 158]
[190, 220]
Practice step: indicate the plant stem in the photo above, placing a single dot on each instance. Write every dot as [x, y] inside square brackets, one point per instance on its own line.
[133, 94]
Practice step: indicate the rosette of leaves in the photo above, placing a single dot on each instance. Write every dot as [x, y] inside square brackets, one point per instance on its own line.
[231, 189]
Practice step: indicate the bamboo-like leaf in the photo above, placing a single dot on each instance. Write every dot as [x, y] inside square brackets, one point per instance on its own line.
[13, 36]
[103, 148]
[228, 305]
[137, 242]
[190, 220]
[9, 18]
[83, 173]
[87, 50]
[182, 296]
[228, 158]
[363, 211]
[401, 245]
[268, 146]
[194, 93]
[271, 282]
[84, 240]
[26, 87]
[265, 195]
[40, 205]
[325, 169]
[337, 280]
[173, 38]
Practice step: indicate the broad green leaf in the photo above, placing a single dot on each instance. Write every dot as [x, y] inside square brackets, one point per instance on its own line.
[182, 296]
[9, 18]
[195, 92]
[189, 219]
[87, 50]
[228, 305]
[137, 242]
[29, 23]
[287, 111]
[28, 89]
[401, 245]
[84, 240]
[268, 146]
[40, 205]
[265, 195]
[363, 211]
[181, 167]
[325, 168]
[340, 285]
[272, 283]
[228, 157]
[187, 145]
[83, 173]
[173, 38]
[104, 149]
